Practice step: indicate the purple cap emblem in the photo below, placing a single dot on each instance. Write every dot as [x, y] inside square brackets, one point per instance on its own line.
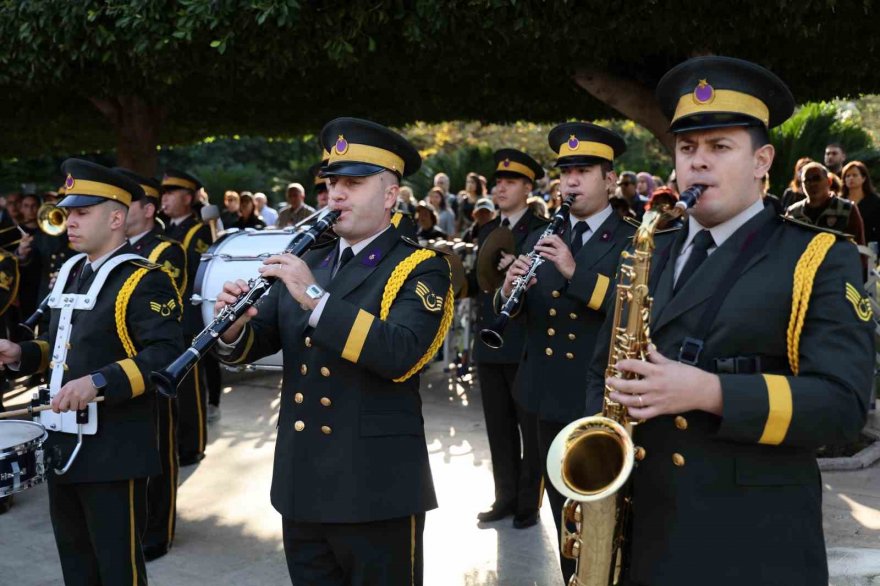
[68, 183]
[373, 258]
[573, 142]
[506, 163]
[704, 93]
[341, 145]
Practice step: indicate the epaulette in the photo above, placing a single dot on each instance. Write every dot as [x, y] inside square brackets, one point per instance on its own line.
[145, 264]
[636, 224]
[165, 238]
[415, 244]
[815, 228]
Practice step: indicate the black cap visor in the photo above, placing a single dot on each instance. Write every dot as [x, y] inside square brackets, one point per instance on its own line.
[578, 161]
[511, 175]
[351, 169]
[712, 120]
[80, 201]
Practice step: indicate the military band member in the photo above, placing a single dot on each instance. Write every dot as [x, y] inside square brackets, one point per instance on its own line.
[178, 196]
[516, 465]
[98, 507]
[356, 320]
[764, 351]
[565, 307]
[146, 238]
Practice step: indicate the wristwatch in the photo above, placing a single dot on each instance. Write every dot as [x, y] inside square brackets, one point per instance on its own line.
[315, 291]
[99, 380]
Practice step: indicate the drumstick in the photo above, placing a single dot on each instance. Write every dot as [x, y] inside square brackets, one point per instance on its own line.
[31, 410]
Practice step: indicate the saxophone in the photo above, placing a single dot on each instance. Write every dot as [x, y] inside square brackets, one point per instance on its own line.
[591, 459]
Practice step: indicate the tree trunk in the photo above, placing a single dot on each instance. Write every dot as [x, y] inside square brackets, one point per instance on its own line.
[630, 98]
[137, 125]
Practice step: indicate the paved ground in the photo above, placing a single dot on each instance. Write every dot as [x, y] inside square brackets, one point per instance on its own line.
[228, 533]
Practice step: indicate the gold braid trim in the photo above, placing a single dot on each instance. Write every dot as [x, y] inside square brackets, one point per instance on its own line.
[804, 273]
[122, 304]
[154, 257]
[392, 288]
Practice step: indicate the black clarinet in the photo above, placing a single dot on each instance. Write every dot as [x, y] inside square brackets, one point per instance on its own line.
[491, 336]
[30, 323]
[168, 379]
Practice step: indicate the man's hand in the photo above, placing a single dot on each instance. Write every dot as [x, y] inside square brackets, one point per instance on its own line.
[505, 260]
[10, 352]
[295, 274]
[228, 296]
[556, 251]
[75, 395]
[666, 387]
[24, 246]
[518, 268]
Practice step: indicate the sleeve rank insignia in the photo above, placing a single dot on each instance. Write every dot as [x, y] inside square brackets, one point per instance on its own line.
[430, 300]
[861, 305]
[172, 271]
[163, 309]
[201, 246]
[5, 281]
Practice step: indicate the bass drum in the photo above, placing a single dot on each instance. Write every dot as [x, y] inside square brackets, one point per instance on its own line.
[237, 254]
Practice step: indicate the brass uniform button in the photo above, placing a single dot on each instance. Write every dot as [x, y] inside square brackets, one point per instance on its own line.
[640, 453]
[326, 402]
[571, 336]
[678, 460]
[556, 294]
[326, 429]
[325, 371]
[298, 397]
[303, 370]
[569, 355]
[551, 332]
[299, 426]
[552, 313]
[681, 423]
[573, 315]
[548, 351]
[308, 342]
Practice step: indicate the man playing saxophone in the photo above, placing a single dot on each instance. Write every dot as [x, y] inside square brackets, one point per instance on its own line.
[763, 351]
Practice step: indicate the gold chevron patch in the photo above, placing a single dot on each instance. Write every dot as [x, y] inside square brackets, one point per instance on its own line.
[861, 305]
[163, 309]
[430, 300]
[5, 281]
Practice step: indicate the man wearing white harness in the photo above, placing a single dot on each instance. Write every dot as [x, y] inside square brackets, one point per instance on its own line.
[114, 319]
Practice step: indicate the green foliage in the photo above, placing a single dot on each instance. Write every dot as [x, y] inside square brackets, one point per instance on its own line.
[281, 68]
[808, 132]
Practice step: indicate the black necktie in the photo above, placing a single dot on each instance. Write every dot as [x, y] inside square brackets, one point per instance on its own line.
[347, 255]
[505, 223]
[577, 236]
[84, 275]
[700, 250]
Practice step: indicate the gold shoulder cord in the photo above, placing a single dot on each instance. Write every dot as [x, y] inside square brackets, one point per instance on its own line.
[121, 304]
[393, 287]
[804, 274]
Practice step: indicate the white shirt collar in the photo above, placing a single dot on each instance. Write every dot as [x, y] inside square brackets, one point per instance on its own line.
[724, 230]
[134, 239]
[96, 264]
[356, 248]
[594, 221]
[514, 218]
[178, 221]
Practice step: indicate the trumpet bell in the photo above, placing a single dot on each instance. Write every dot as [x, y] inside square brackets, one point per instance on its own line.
[590, 459]
[51, 219]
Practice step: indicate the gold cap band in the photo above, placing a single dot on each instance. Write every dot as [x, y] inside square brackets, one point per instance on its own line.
[585, 148]
[320, 180]
[723, 101]
[98, 189]
[361, 153]
[514, 167]
[150, 191]
[178, 182]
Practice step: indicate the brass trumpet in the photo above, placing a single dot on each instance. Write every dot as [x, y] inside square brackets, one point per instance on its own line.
[51, 219]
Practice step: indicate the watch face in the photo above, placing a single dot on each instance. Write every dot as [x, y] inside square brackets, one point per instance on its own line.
[314, 291]
[99, 381]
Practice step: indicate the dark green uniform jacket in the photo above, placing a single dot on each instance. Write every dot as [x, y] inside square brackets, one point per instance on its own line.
[165, 252]
[148, 323]
[351, 441]
[736, 499]
[562, 321]
[515, 333]
[195, 238]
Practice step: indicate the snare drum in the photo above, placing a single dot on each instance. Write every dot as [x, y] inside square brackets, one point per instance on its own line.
[237, 255]
[21, 455]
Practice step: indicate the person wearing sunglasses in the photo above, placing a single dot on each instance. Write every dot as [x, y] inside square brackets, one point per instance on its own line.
[823, 208]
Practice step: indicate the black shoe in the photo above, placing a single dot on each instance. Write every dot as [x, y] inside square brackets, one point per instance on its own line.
[525, 520]
[154, 552]
[496, 513]
[5, 504]
[190, 460]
